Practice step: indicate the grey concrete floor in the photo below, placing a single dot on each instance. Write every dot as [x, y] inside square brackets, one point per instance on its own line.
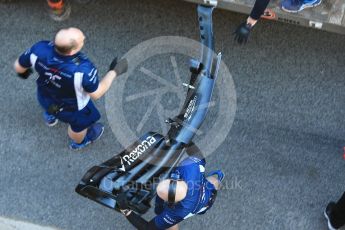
[283, 155]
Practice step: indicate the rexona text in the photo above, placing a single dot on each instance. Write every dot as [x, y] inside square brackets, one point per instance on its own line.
[139, 150]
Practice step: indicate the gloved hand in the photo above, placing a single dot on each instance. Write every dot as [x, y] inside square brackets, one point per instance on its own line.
[119, 67]
[242, 33]
[26, 74]
[122, 202]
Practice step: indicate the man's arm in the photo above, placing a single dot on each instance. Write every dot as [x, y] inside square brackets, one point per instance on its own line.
[139, 222]
[257, 11]
[18, 68]
[136, 220]
[116, 69]
[22, 66]
[104, 85]
[243, 30]
[165, 220]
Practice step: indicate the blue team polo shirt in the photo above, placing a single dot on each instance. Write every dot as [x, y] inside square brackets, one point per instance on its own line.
[192, 171]
[62, 79]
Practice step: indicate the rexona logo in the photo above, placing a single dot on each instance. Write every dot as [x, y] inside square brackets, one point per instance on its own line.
[139, 150]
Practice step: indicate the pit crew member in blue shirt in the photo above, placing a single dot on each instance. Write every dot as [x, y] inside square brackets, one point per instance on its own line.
[187, 193]
[67, 82]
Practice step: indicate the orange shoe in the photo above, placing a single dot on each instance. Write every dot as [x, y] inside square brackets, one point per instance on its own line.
[269, 15]
[59, 10]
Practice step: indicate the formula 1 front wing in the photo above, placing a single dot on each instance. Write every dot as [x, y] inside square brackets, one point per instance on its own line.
[135, 172]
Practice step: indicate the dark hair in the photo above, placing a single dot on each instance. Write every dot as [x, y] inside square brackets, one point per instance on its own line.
[66, 49]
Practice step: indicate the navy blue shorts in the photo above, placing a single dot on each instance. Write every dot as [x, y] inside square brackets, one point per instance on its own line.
[78, 120]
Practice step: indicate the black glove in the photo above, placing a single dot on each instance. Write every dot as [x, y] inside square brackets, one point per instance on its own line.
[119, 67]
[242, 33]
[122, 202]
[26, 74]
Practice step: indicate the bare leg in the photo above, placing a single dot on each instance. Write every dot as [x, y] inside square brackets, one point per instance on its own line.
[76, 137]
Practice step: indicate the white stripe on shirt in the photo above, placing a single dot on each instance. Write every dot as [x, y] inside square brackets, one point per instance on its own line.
[82, 97]
[33, 59]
